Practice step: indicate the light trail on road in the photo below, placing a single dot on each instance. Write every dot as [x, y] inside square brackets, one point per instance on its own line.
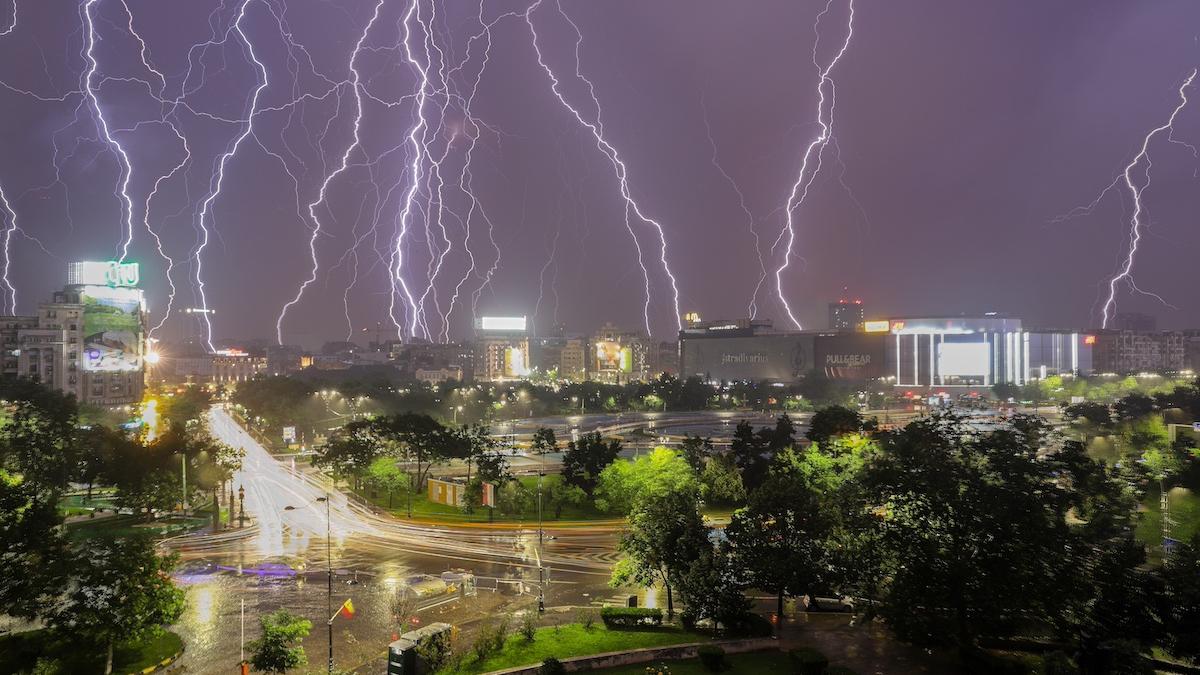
[271, 486]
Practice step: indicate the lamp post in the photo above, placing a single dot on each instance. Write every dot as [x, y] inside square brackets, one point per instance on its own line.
[328, 572]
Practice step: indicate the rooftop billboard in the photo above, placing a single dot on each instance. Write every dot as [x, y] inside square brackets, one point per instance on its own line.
[502, 323]
[112, 327]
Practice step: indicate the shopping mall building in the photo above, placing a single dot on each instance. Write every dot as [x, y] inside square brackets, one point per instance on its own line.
[932, 352]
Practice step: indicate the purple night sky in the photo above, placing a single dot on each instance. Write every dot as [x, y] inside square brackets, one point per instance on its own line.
[963, 128]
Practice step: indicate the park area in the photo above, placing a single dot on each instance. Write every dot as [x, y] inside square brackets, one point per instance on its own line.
[20, 652]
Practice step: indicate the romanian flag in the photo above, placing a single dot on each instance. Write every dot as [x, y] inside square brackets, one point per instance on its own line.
[347, 609]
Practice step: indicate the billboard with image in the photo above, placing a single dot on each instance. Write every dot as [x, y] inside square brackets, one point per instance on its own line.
[112, 327]
[611, 356]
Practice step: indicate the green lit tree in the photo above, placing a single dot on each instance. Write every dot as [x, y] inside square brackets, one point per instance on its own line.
[121, 592]
[279, 648]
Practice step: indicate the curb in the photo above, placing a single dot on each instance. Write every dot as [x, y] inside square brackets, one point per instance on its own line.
[160, 665]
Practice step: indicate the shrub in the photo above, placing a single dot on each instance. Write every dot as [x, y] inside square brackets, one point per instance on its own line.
[586, 618]
[839, 670]
[809, 661]
[631, 617]
[712, 656]
[751, 625]
[552, 666]
[435, 650]
[528, 627]
[1058, 663]
[490, 639]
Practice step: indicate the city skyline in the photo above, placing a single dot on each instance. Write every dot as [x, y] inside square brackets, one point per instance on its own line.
[952, 171]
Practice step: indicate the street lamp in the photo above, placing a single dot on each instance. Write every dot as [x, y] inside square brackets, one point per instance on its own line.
[328, 572]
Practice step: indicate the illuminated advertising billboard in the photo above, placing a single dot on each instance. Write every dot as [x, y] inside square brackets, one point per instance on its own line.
[964, 359]
[774, 358]
[515, 364]
[502, 323]
[112, 326]
[851, 356]
[876, 326]
[612, 357]
[115, 274]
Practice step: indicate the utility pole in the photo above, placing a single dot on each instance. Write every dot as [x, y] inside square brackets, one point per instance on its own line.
[183, 465]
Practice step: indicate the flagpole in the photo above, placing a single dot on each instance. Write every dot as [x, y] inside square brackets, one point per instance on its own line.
[329, 578]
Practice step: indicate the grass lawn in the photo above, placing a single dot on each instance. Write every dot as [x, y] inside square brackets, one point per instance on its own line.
[1185, 515]
[574, 640]
[424, 509]
[772, 661]
[126, 526]
[20, 651]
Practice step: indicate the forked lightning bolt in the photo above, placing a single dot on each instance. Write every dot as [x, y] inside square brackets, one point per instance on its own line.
[89, 86]
[356, 85]
[1125, 273]
[826, 98]
[597, 130]
[762, 265]
[219, 178]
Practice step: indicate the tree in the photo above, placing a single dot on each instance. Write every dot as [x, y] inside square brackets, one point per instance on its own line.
[720, 482]
[1094, 413]
[777, 540]
[586, 458]
[749, 454]
[1133, 407]
[403, 606]
[1181, 615]
[624, 485]
[970, 521]
[38, 436]
[33, 551]
[420, 439]
[696, 451]
[1111, 608]
[279, 648]
[384, 475]
[350, 452]
[835, 420]
[559, 494]
[544, 441]
[712, 588]
[184, 407]
[121, 591]
[665, 535]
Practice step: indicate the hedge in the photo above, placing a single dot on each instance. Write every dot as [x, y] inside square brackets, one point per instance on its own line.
[809, 661]
[712, 656]
[631, 617]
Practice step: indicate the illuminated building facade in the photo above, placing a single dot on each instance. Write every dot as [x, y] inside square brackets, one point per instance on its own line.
[846, 316]
[89, 340]
[1126, 352]
[618, 356]
[925, 352]
[501, 349]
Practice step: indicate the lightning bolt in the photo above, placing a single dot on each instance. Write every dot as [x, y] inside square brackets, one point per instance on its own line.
[126, 167]
[396, 261]
[12, 25]
[814, 149]
[1125, 273]
[597, 130]
[356, 86]
[11, 292]
[219, 178]
[762, 265]
[10, 215]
